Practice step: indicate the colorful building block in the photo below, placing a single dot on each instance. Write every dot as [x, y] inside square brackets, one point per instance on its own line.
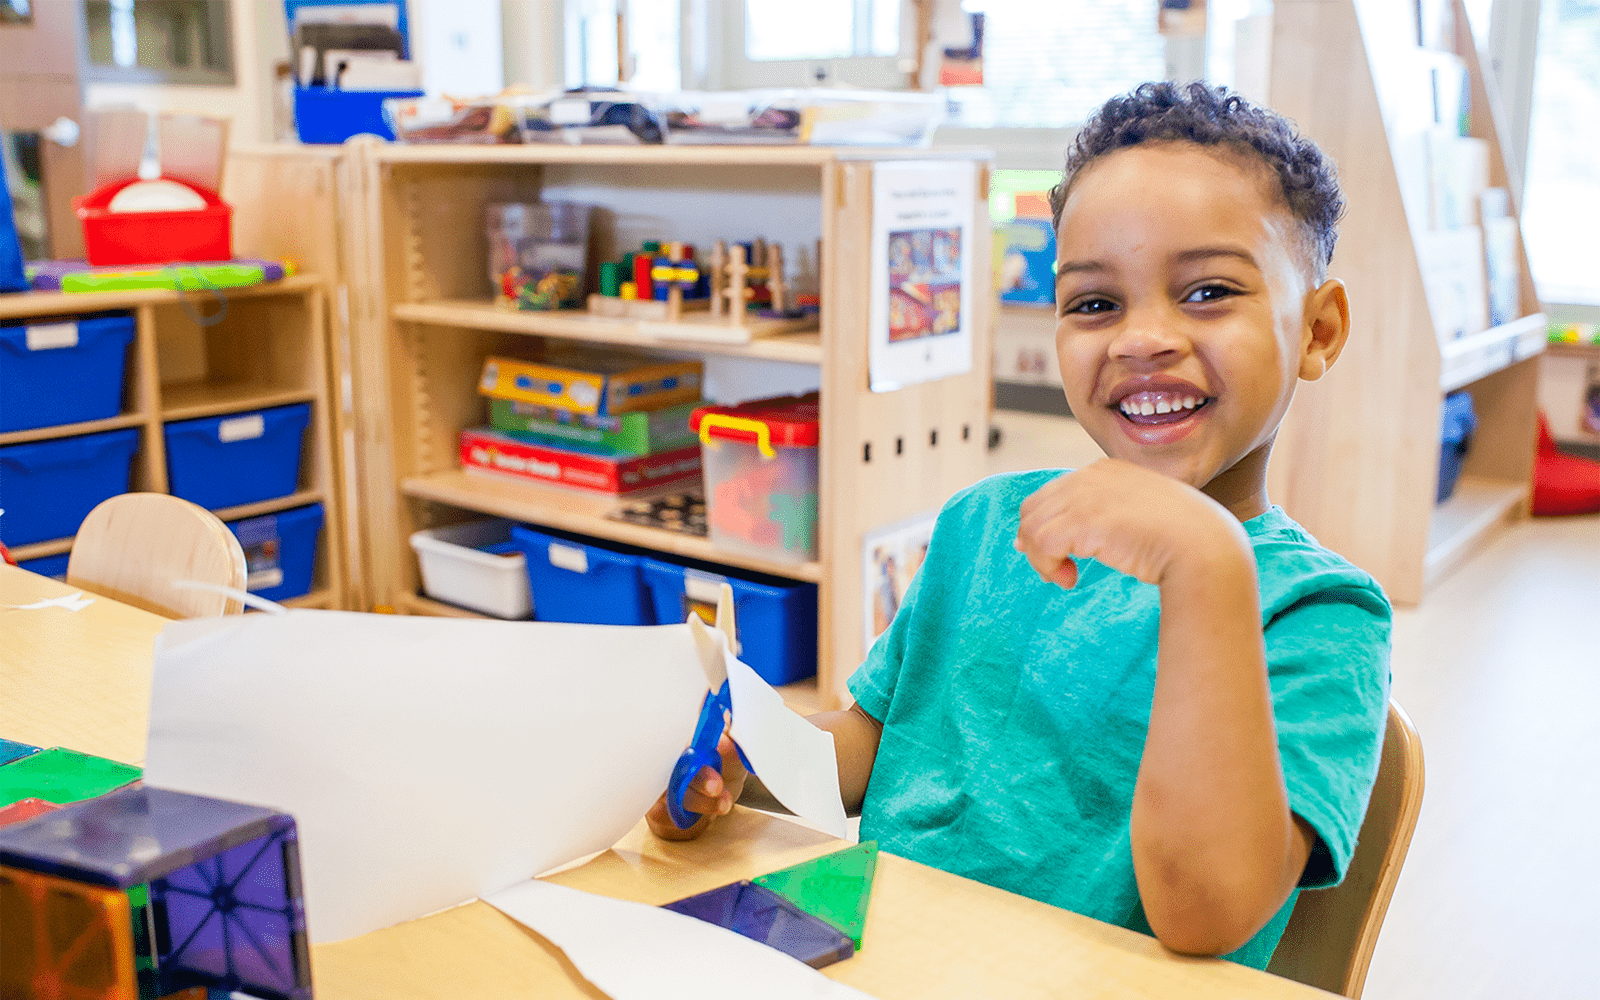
[224, 909]
[25, 809]
[62, 776]
[835, 887]
[63, 939]
[11, 750]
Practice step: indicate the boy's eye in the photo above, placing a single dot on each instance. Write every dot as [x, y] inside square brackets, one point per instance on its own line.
[1090, 306]
[1210, 293]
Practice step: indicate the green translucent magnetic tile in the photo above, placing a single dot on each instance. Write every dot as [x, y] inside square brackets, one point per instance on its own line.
[834, 887]
[11, 750]
[62, 776]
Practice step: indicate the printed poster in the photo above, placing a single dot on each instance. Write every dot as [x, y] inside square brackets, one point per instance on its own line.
[921, 316]
[890, 558]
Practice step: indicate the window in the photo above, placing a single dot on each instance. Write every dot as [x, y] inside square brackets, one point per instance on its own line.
[1050, 64]
[1561, 208]
[820, 29]
[160, 41]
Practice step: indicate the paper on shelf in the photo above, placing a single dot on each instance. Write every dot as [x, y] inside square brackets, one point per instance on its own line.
[426, 760]
[636, 952]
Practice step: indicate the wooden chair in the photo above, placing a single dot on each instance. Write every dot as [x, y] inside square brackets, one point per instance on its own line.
[134, 547]
[1332, 932]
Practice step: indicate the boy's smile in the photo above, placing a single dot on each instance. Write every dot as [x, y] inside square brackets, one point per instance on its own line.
[1186, 314]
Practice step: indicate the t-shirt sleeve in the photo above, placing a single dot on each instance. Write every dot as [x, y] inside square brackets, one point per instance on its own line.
[1328, 661]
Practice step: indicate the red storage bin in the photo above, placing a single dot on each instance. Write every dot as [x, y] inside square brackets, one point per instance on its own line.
[201, 234]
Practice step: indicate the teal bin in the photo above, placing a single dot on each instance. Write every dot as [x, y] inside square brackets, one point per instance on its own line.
[776, 619]
[573, 579]
[47, 488]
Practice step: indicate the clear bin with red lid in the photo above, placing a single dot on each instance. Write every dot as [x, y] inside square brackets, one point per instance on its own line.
[760, 461]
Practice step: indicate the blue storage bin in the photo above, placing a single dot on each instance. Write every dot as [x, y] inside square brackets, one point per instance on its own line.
[332, 116]
[54, 566]
[776, 618]
[62, 371]
[47, 488]
[1455, 437]
[237, 458]
[280, 551]
[575, 580]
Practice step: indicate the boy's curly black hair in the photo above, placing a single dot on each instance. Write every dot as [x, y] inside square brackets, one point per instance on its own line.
[1211, 116]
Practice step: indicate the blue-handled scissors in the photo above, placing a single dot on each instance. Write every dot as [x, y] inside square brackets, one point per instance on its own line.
[702, 752]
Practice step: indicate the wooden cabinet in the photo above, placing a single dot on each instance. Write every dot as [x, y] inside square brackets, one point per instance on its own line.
[426, 323]
[1357, 458]
[196, 355]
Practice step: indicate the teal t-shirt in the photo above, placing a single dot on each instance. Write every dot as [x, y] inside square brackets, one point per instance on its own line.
[1014, 712]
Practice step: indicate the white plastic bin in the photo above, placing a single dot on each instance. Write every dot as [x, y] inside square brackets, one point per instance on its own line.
[475, 565]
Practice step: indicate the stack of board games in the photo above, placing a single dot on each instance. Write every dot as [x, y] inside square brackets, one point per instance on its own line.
[614, 423]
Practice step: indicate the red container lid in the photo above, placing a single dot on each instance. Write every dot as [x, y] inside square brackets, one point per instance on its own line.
[791, 421]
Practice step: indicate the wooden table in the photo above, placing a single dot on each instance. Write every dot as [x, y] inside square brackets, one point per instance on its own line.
[82, 680]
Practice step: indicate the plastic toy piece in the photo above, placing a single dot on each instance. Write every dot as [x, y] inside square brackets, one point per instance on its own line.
[225, 907]
[62, 776]
[762, 915]
[25, 809]
[835, 887]
[11, 750]
[64, 939]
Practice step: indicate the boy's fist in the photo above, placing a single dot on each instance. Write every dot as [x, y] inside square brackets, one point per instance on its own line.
[1133, 520]
[710, 794]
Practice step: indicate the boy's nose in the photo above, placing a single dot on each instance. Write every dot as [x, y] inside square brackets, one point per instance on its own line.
[1148, 338]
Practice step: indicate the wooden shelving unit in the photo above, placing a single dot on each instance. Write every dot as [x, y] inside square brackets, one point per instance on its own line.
[1357, 459]
[191, 359]
[426, 324]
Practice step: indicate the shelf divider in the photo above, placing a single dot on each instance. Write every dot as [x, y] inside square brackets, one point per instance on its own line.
[72, 430]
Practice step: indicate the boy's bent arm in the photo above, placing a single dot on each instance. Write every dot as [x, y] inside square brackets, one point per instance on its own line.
[1216, 848]
[855, 745]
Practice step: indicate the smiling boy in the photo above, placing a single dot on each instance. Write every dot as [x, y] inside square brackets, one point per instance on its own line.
[1138, 690]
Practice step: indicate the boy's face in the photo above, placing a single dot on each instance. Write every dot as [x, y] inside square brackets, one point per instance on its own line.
[1186, 315]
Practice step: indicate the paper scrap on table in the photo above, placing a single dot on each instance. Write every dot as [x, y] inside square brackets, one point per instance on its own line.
[68, 602]
[428, 761]
[636, 952]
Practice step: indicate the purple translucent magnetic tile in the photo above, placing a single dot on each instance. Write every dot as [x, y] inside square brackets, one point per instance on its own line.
[762, 915]
[11, 750]
[234, 921]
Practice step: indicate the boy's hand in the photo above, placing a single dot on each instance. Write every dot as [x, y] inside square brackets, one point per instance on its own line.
[710, 794]
[1138, 522]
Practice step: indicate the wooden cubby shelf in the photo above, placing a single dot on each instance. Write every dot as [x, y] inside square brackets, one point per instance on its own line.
[421, 292]
[803, 347]
[200, 354]
[187, 400]
[1358, 457]
[72, 430]
[584, 513]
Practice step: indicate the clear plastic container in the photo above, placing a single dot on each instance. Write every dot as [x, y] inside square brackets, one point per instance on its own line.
[760, 462]
[537, 253]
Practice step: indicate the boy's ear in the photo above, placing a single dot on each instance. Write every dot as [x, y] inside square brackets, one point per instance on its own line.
[1325, 330]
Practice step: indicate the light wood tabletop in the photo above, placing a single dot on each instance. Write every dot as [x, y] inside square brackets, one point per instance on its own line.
[82, 680]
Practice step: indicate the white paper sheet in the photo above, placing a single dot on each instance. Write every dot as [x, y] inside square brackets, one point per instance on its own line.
[636, 952]
[426, 760]
[793, 758]
[67, 602]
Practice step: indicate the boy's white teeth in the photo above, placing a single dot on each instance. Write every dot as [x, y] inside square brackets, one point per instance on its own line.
[1148, 404]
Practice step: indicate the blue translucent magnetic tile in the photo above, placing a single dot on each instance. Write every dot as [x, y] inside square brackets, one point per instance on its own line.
[134, 835]
[762, 915]
[234, 921]
[11, 750]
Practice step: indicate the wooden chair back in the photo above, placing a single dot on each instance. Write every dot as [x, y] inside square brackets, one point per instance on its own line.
[1332, 932]
[134, 547]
